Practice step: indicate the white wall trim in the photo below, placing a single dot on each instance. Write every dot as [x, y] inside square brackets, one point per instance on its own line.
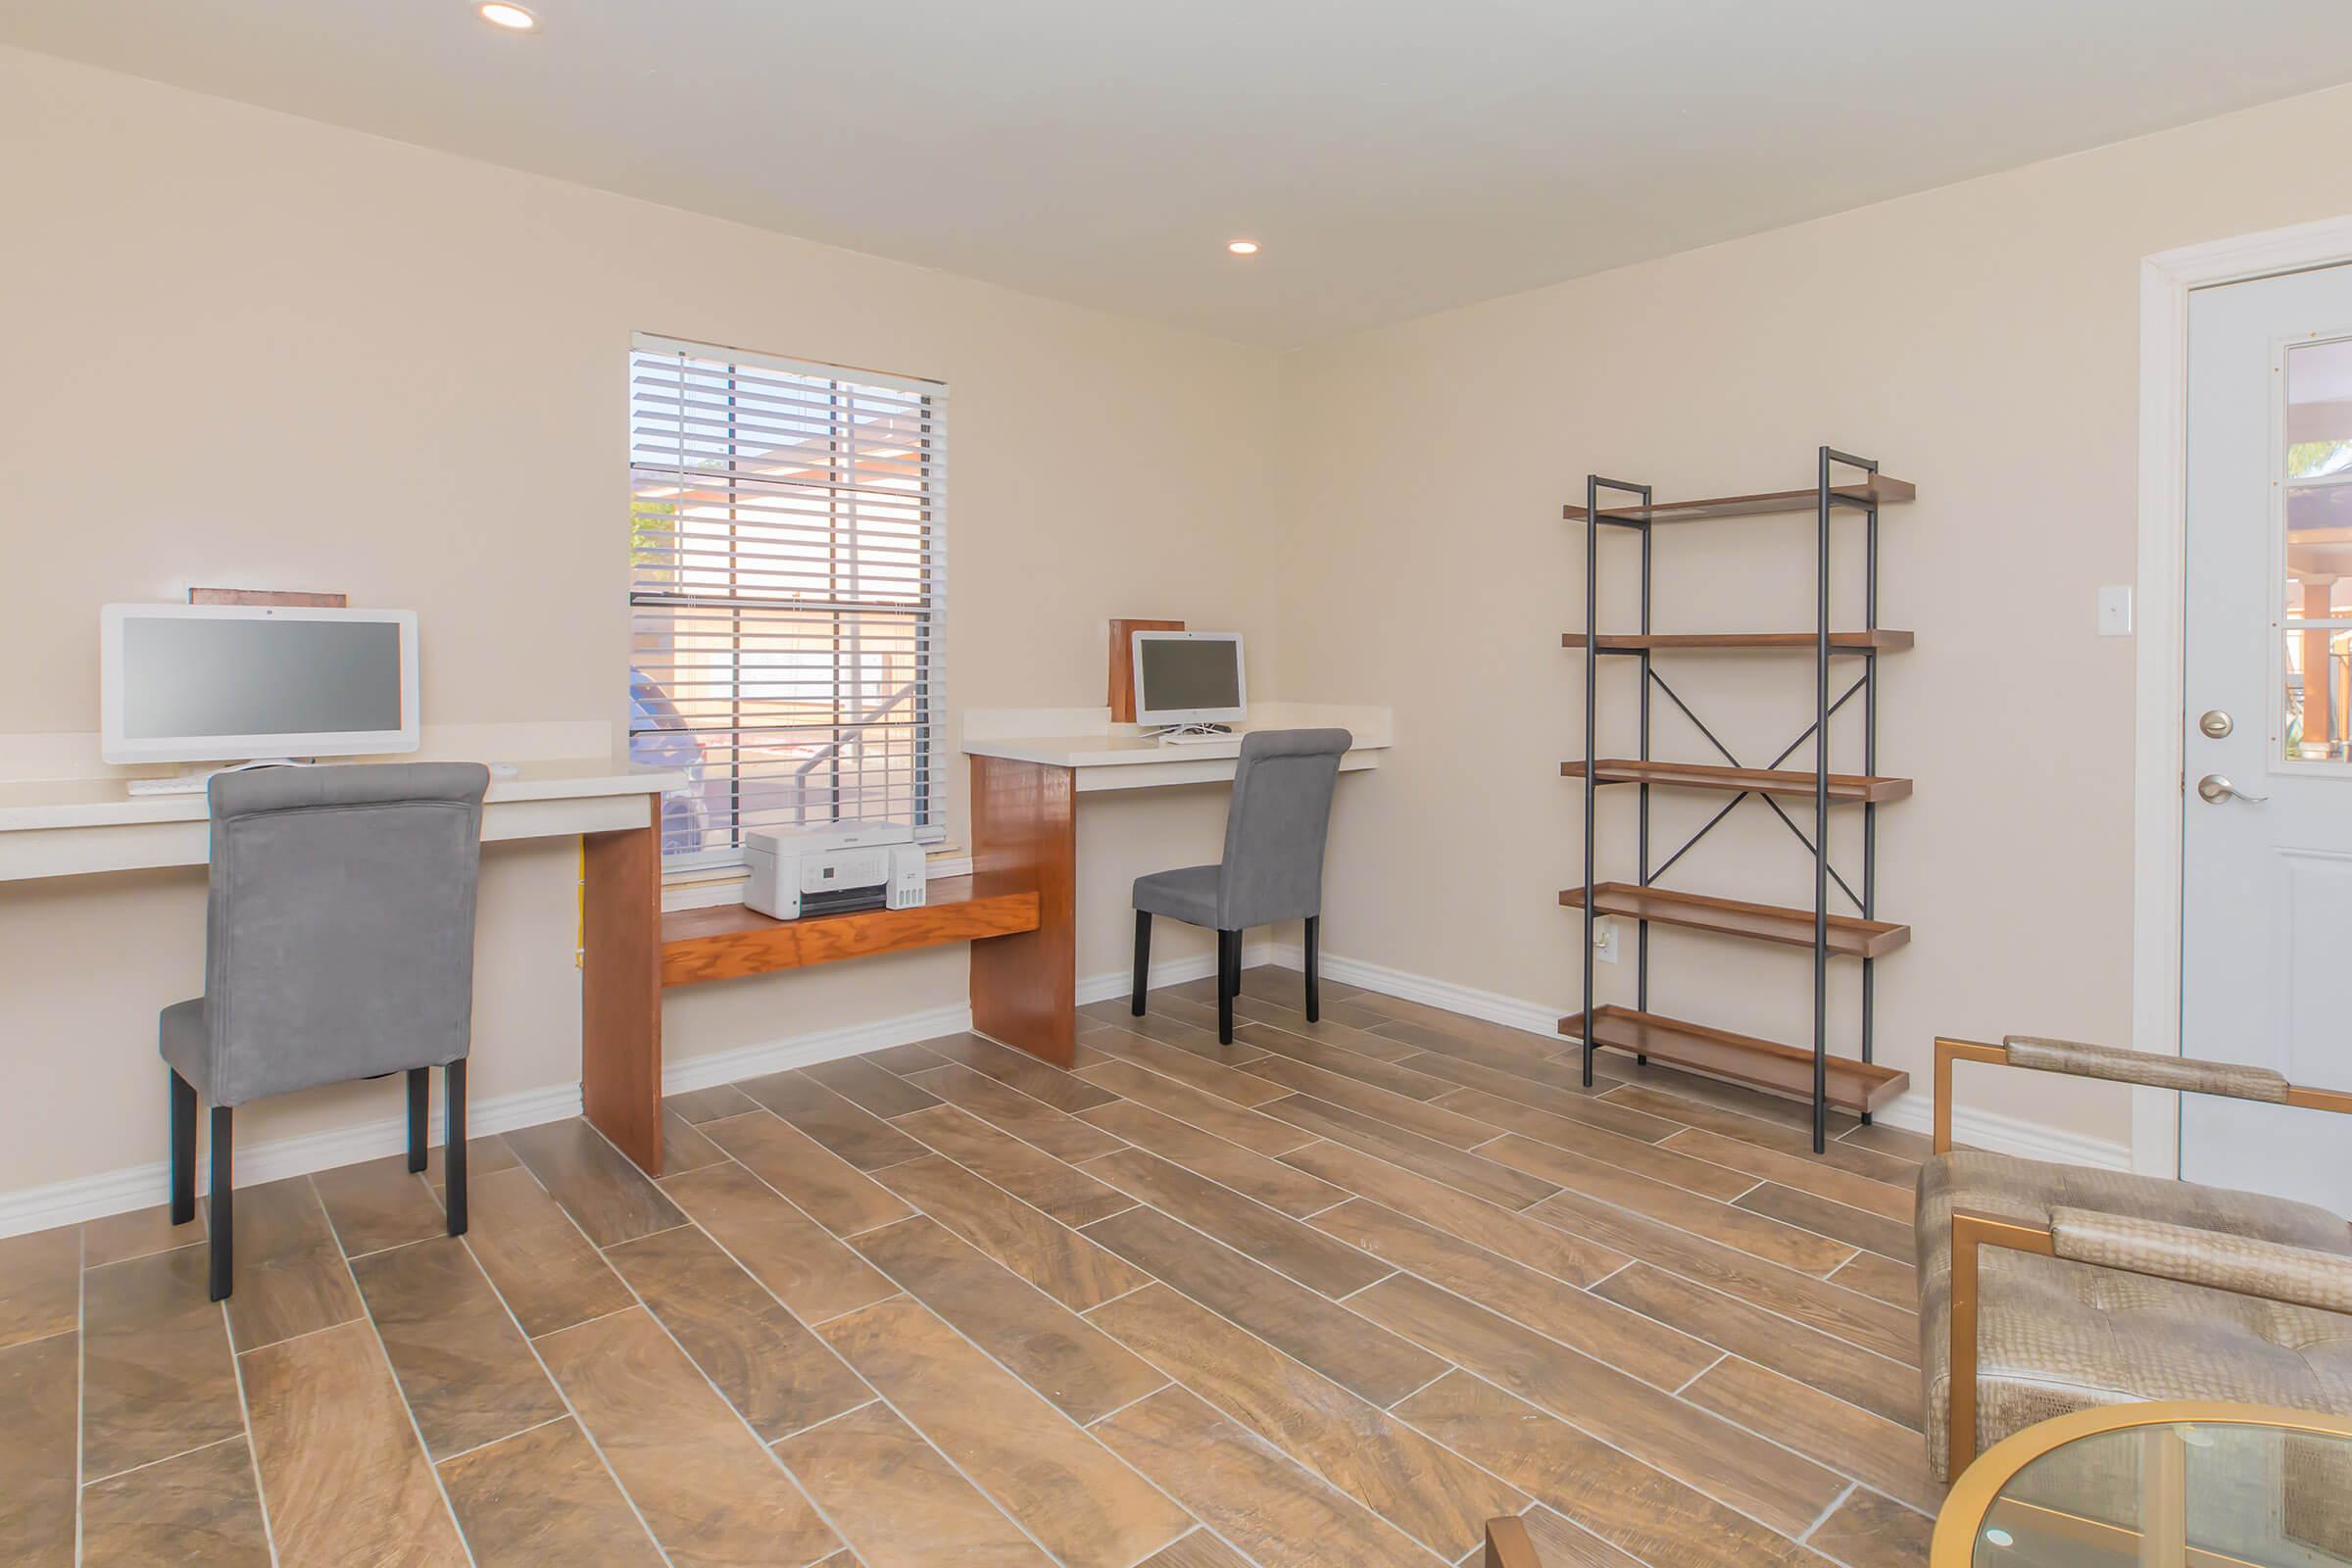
[136, 1187]
[1913, 1111]
[2166, 281]
[140, 1186]
[802, 1050]
[116, 1191]
[1535, 1018]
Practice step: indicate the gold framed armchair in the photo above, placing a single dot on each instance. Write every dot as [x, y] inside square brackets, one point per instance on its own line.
[2044, 1289]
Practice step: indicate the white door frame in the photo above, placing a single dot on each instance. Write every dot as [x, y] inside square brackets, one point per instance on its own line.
[2165, 282]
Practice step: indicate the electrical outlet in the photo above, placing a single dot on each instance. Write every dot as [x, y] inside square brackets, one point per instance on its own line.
[1604, 940]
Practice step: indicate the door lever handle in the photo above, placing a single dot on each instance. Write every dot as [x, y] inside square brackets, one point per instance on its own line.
[2213, 789]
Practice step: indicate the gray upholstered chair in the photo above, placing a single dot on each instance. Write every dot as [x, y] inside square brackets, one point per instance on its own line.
[2044, 1289]
[1273, 866]
[338, 945]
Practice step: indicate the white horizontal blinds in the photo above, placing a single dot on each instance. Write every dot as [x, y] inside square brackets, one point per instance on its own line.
[786, 581]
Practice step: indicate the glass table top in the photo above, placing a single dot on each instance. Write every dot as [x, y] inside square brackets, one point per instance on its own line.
[2200, 1494]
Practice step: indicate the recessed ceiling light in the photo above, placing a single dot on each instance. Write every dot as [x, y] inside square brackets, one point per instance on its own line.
[1243, 247]
[510, 16]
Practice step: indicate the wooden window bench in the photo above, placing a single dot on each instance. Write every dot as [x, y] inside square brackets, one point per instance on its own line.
[730, 940]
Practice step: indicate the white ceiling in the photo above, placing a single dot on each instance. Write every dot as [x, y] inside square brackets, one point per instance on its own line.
[1394, 158]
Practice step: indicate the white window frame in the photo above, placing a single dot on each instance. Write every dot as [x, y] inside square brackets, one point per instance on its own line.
[926, 625]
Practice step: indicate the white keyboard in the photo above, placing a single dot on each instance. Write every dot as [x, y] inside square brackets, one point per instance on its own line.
[1194, 739]
[174, 784]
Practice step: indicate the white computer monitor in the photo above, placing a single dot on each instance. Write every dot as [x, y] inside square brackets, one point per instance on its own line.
[215, 683]
[1190, 677]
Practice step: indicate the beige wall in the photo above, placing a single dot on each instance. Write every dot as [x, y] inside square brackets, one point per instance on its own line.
[249, 349]
[252, 349]
[1981, 340]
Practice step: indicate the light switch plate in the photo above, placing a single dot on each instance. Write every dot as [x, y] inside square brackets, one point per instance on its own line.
[1604, 940]
[2115, 611]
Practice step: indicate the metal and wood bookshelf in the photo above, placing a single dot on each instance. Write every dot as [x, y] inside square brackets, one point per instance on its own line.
[1857, 1086]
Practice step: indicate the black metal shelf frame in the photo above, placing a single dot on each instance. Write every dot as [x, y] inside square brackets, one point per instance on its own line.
[1827, 499]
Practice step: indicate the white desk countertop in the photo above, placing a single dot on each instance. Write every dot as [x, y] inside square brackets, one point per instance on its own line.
[34, 805]
[65, 827]
[1107, 756]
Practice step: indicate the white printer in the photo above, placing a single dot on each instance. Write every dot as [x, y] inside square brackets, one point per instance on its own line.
[798, 871]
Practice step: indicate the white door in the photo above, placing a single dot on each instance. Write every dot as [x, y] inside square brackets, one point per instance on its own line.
[2267, 836]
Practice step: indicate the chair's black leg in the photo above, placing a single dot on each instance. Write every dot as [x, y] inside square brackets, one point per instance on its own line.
[1143, 960]
[1229, 981]
[1314, 992]
[224, 1245]
[453, 1086]
[421, 1099]
[184, 1149]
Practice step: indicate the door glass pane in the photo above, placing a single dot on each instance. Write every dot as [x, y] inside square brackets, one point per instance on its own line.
[2314, 721]
[2316, 476]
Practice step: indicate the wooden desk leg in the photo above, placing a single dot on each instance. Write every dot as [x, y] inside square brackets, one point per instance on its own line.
[621, 991]
[1025, 835]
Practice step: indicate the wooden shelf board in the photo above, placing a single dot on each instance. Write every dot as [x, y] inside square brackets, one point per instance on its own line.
[1845, 788]
[1840, 642]
[1855, 1086]
[1849, 936]
[1878, 487]
[729, 941]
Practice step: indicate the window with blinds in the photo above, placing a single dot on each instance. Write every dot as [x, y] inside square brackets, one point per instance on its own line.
[785, 593]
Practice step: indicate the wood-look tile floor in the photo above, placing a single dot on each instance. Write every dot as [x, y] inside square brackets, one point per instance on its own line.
[1335, 1294]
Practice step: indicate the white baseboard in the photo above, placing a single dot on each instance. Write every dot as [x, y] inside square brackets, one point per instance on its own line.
[803, 1050]
[140, 1186]
[116, 1192]
[1120, 982]
[1913, 1111]
[1492, 1006]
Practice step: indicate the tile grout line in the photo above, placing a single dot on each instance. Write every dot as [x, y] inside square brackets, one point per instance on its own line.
[1640, 1214]
[493, 1442]
[1305, 1463]
[1255, 1203]
[1273, 1268]
[595, 1447]
[161, 1458]
[1132, 1290]
[81, 1373]
[1451, 1366]
[1594, 1288]
[813, 1324]
[1704, 1285]
[1830, 1469]
[1825, 1166]
[375, 1334]
[1853, 1487]
[1826, 1514]
[252, 1449]
[1819, 1279]
[571, 1411]
[1393, 1271]
[777, 1458]
[1725, 1355]
[1249, 1426]
[826, 1421]
[1166, 1383]
[992, 1359]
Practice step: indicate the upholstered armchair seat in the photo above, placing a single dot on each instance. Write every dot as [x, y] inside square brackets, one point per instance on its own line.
[2057, 1334]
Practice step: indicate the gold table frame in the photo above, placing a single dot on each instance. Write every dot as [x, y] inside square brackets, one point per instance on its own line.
[2162, 1542]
